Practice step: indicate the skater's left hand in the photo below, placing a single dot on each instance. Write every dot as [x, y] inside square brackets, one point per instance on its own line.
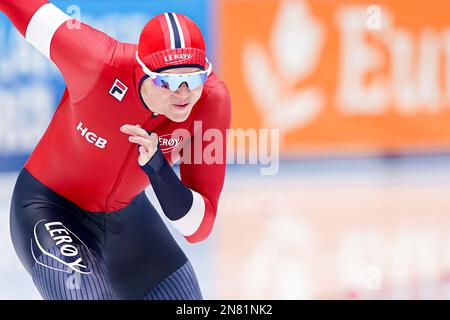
[148, 144]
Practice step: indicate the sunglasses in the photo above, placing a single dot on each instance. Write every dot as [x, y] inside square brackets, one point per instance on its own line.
[172, 81]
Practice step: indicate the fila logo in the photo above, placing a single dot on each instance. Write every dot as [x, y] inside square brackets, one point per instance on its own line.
[92, 137]
[118, 90]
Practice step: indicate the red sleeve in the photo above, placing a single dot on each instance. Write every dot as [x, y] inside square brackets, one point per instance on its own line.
[78, 50]
[207, 178]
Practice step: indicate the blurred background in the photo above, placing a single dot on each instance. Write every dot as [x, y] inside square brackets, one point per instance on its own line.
[346, 104]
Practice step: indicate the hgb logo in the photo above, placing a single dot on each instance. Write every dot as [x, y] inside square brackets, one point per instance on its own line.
[92, 137]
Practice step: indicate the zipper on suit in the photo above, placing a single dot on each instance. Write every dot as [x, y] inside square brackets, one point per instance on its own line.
[122, 170]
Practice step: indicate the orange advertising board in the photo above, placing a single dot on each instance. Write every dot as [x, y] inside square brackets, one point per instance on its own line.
[340, 76]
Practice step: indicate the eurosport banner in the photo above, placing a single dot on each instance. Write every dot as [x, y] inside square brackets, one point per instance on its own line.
[340, 77]
[31, 86]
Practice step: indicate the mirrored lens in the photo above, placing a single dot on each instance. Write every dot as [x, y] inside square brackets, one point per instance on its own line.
[173, 83]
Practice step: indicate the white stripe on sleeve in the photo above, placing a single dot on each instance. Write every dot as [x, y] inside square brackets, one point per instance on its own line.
[190, 223]
[43, 26]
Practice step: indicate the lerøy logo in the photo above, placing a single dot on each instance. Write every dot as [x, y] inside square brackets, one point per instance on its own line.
[176, 58]
[167, 142]
[66, 257]
[118, 90]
